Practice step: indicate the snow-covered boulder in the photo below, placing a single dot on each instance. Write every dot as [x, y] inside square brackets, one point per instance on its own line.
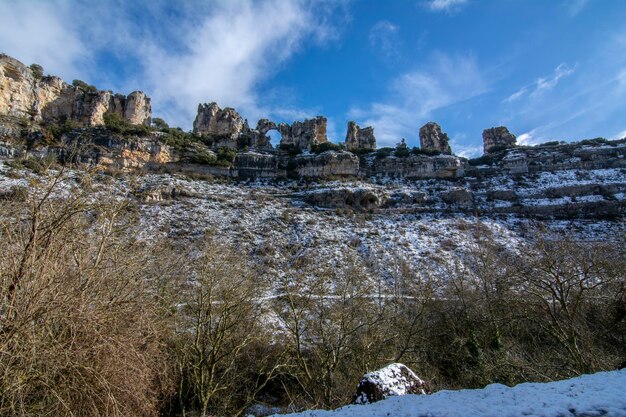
[392, 380]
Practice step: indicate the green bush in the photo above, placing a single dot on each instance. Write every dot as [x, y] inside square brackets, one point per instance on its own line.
[318, 148]
[595, 141]
[483, 160]
[360, 152]
[160, 124]
[551, 143]
[37, 71]
[58, 130]
[81, 85]
[203, 158]
[427, 152]
[226, 155]
[291, 150]
[117, 124]
[384, 152]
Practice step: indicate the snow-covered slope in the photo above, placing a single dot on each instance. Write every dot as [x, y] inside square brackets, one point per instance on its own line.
[601, 394]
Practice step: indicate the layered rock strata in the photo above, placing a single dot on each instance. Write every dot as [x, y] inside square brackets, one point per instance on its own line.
[433, 139]
[358, 138]
[497, 139]
[303, 135]
[26, 95]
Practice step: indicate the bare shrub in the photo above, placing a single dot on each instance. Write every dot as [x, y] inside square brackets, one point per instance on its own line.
[80, 334]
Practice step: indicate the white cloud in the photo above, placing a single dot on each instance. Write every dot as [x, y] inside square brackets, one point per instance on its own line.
[574, 7]
[516, 95]
[35, 32]
[620, 135]
[460, 148]
[541, 84]
[180, 54]
[445, 5]
[529, 138]
[227, 55]
[443, 81]
[384, 38]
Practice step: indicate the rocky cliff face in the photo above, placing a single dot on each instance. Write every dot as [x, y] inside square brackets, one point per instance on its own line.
[99, 147]
[224, 125]
[304, 134]
[442, 166]
[25, 95]
[360, 138]
[498, 138]
[326, 164]
[433, 139]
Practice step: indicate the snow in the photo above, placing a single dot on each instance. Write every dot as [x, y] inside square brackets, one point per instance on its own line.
[600, 394]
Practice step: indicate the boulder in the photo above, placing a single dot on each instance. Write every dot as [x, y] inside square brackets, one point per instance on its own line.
[392, 380]
[433, 139]
[360, 138]
[497, 139]
[459, 196]
[304, 134]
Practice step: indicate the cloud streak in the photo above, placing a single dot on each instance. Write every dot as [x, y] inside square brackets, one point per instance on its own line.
[445, 5]
[541, 84]
[384, 37]
[414, 96]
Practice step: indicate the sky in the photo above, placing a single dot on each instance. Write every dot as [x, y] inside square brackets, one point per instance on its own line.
[546, 69]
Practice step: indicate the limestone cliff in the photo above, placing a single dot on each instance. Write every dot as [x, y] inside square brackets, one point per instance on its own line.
[28, 96]
[433, 139]
[498, 138]
[304, 134]
[358, 138]
[224, 125]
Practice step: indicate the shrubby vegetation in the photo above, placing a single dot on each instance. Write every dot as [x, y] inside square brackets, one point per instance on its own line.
[88, 88]
[428, 152]
[118, 124]
[291, 150]
[318, 148]
[94, 322]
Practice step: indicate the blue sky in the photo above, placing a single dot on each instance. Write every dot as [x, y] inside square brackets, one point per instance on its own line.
[547, 69]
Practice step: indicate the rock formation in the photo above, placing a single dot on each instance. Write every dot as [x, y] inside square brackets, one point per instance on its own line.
[325, 165]
[224, 125]
[392, 380]
[360, 138]
[29, 96]
[433, 139]
[497, 139]
[259, 136]
[303, 134]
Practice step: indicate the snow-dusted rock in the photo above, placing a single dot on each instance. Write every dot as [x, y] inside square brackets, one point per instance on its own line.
[392, 380]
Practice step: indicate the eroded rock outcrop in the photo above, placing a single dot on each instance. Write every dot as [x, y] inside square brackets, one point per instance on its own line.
[354, 198]
[497, 139]
[258, 136]
[418, 166]
[392, 380]
[224, 125]
[29, 96]
[304, 134]
[433, 139]
[326, 164]
[358, 138]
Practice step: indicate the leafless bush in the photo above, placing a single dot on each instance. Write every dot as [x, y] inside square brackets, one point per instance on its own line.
[80, 334]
